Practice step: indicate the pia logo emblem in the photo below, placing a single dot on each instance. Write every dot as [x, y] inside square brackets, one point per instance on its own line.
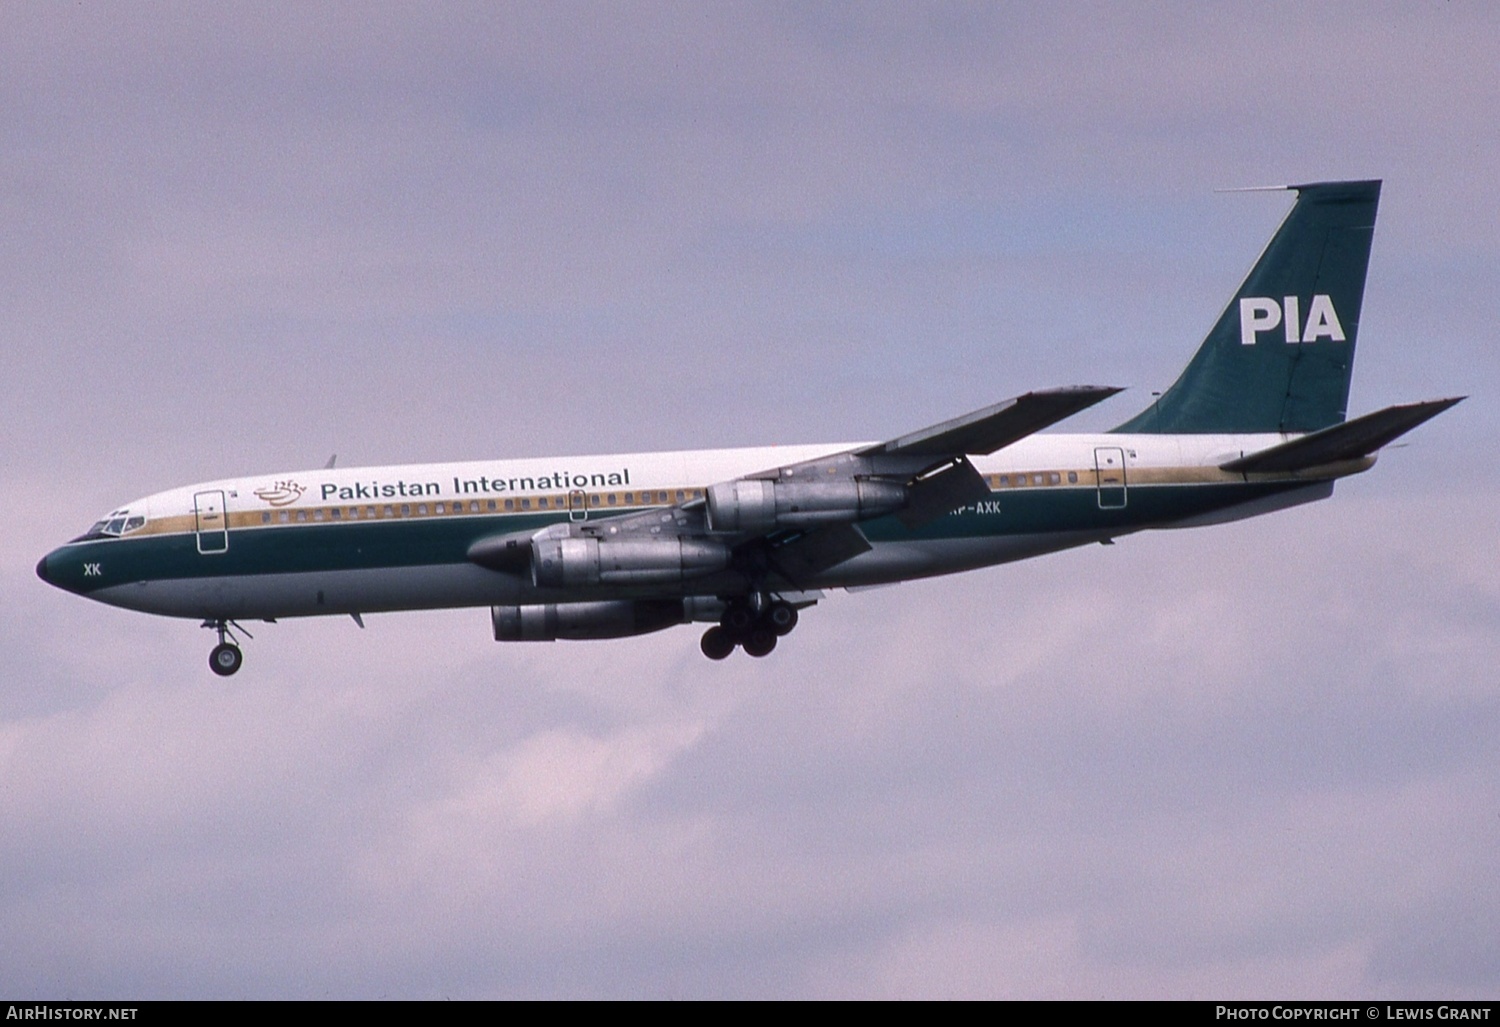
[281, 493]
[1263, 314]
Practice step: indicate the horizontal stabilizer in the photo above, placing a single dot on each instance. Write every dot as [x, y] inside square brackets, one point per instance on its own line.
[995, 427]
[1348, 441]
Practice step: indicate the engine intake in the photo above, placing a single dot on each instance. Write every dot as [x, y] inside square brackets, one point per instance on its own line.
[753, 505]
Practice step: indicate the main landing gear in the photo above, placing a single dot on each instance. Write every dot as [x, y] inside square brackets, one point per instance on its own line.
[226, 657]
[753, 626]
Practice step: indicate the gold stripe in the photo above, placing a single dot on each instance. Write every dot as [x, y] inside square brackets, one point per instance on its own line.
[632, 500]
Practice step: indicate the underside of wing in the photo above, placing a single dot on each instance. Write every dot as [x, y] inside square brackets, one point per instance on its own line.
[796, 560]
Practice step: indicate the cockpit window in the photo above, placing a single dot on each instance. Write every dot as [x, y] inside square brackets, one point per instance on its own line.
[120, 522]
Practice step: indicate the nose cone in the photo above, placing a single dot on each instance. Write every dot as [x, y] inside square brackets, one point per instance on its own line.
[53, 569]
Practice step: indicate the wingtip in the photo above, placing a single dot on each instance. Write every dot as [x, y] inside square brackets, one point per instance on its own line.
[1437, 405]
[1086, 390]
[1089, 394]
[1254, 188]
[1105, 391]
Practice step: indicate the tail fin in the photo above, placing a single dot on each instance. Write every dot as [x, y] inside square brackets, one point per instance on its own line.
[1280, 356]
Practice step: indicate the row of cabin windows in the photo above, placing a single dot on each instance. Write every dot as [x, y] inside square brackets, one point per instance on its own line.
[594, 500]
[998, 481]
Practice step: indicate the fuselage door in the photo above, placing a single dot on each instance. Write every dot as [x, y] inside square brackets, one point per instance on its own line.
[213, 526]
[578, 505]
[1109, 467]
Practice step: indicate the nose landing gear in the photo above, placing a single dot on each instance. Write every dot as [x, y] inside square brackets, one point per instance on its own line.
[754, 625]
[226, 657]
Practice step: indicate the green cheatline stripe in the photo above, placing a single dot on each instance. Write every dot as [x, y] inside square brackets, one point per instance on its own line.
[416, 542]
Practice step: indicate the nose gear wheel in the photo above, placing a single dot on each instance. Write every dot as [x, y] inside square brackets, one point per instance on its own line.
[226, 658]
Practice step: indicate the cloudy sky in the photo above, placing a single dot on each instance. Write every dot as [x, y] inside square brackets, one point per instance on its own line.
[1257, 759]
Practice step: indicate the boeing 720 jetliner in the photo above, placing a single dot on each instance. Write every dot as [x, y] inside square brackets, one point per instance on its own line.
[593, 547]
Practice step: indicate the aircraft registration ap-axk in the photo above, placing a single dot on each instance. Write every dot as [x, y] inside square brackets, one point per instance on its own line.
[611, 546]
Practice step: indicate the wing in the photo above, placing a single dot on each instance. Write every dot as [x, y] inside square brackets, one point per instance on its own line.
[918, 477]
[995, 427]
[808, 514]
[781, 526]
[948, 480]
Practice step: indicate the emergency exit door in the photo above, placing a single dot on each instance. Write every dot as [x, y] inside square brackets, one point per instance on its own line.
[1109, 467]
[213, 524]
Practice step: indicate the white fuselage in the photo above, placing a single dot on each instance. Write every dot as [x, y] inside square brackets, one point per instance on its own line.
[330, 540]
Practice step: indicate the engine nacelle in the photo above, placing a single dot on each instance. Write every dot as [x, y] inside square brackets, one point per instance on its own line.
[569, 562]
[619, 618]
[753, 505]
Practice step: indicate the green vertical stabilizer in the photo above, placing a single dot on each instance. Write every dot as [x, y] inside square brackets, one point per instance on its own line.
[1280, 356]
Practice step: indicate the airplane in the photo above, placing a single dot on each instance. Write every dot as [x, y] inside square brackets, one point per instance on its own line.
[745, 540]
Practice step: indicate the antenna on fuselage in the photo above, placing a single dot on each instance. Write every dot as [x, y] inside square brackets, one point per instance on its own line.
[329, 465]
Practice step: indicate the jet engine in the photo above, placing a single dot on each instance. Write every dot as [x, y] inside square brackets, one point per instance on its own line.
[567, 562]
[620, 618]
[753, 505]
[616, 618]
